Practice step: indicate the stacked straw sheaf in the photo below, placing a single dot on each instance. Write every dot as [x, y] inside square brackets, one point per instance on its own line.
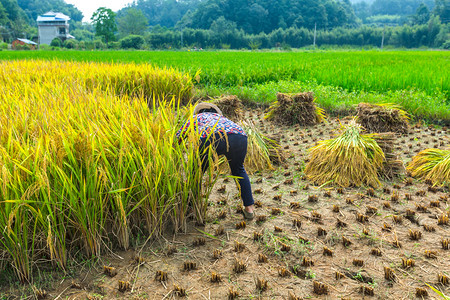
[392, 165]
[296, 109]
[231, 107]
[384, 117]
[83, 160]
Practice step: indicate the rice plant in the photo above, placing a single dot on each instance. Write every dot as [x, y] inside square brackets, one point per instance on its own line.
[351, 159]
[84, 157]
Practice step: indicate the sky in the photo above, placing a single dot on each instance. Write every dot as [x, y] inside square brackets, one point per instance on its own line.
[87, 7]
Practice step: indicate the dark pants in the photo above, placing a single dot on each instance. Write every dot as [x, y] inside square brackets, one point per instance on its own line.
[235, 152]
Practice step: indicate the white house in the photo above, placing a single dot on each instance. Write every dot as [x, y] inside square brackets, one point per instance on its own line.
[53, 25]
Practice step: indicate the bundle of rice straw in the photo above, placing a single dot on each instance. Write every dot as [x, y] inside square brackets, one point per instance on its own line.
[262, 151]
[385, 117]
[392, 165]
[351, 159]
[432, 164]
[296, 109]
[231, 107]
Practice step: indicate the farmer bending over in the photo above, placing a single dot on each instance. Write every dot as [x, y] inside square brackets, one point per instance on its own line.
[228, 139]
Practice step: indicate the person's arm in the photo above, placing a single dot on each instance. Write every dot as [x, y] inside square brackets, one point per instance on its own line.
[182, 131]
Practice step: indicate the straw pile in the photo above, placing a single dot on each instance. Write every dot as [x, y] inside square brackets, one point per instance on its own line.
[231, 107]
[296, 109]
[382, 118]
[432, 164]
[392, 165]
[351, 159]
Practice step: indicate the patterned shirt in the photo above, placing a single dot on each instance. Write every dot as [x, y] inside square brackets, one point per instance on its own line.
[205, 122]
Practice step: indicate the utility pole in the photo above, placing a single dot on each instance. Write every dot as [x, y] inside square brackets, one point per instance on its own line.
[315, 28]
[382, 38]
[181, 36]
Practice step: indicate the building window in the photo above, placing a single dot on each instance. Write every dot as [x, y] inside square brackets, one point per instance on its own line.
[62, 30]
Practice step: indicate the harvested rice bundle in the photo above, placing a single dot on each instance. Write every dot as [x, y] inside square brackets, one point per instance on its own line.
[261, 150]
[351, 159]
[296, 109]
[392, 165]
[432, 164]
[384, 117]
[231, 107]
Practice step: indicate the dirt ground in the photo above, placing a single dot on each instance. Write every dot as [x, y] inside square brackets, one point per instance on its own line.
[377, 229]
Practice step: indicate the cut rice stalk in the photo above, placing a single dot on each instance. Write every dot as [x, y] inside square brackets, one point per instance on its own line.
[432, 164]
[351, 159]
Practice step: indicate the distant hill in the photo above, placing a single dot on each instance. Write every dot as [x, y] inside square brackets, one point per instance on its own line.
[34, 8]
[162, 12]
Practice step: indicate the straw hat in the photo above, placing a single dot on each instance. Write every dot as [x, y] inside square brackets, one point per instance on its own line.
[206, 105]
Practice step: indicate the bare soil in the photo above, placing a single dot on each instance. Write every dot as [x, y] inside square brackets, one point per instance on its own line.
[368, 222]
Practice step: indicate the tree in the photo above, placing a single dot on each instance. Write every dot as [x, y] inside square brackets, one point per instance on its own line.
[133, 22]
[56, 42]
[104, 20]
[422, 15]
[442, 9]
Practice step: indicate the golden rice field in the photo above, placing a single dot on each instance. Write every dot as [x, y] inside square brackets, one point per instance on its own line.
[88, 157]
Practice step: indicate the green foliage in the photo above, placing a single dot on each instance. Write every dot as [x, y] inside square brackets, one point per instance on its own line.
[114, 45]
[44, 47]
[133, 22]
[83, 34]
[70, 44]
[97, 44]
[104, 20]
[265, 16]
[163, 13]
[132, 42]
[56, 42]
[34, 8]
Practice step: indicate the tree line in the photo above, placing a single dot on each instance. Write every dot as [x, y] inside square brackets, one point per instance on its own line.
[243, 24]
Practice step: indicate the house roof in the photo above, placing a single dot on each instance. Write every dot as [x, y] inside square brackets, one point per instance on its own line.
[52, 16]
[27, 41]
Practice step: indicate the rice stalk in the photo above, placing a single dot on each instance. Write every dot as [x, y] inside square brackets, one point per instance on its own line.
[351, 159]
[83, 159]
[431, 164]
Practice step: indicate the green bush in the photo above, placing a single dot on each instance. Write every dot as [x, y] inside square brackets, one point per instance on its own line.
[98, 44]
[446, 45]
[56, 42]
[44, 47]
[4, 46]
[114, 45]
[132, 42]
[70, 44]
[81, 45]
